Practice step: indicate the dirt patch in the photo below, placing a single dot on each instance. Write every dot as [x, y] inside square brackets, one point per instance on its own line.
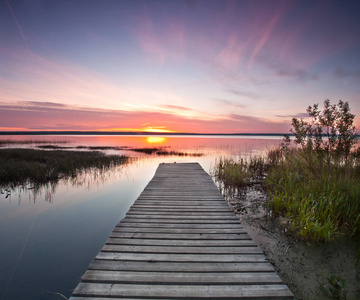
[311, 270]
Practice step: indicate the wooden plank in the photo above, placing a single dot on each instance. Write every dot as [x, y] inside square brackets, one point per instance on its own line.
[179, 204]
[181, 230]
[181, 249]
[187, 236]
[186, 210]
[178, 242]
[183, 291]
[199, 267]
[155, 257]
[190, 218]
[194, 226]
[179, 221]
[180, 278]
[170, 212]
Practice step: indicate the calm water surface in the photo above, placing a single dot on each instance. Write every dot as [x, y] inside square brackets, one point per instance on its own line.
[48, 237]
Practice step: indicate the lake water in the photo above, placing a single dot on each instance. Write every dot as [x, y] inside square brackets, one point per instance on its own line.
[49, 236]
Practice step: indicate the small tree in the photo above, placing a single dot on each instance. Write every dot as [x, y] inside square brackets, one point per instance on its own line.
[330, 132]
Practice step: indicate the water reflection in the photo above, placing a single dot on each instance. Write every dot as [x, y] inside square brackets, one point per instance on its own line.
[50, 234]
[156, 140]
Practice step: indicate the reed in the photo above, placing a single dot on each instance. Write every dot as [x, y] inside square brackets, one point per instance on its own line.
[233, 175]
[19, 166]
[319, 199]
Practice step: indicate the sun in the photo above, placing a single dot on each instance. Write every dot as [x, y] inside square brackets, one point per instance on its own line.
[157, 129]
[155, 139]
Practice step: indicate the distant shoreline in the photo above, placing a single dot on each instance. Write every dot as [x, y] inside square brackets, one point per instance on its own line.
[134, 133]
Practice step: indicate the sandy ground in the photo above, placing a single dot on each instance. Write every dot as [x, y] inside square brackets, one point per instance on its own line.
[304, 267]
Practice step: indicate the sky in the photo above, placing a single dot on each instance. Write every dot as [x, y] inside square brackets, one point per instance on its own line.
[175, 66]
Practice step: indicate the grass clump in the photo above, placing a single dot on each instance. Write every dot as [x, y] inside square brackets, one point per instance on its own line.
[319, 200]
[234, 175]
[19, 166]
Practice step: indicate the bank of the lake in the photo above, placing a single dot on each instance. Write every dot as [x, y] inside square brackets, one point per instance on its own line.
[311, 270]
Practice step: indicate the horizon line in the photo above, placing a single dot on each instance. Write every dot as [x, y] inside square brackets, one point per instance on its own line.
[93, 132]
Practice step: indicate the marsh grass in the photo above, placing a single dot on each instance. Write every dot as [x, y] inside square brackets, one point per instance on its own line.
[4, 143]
[178, 153]
[233, 175]
[20, 166]
[162, 152]
[319, 200]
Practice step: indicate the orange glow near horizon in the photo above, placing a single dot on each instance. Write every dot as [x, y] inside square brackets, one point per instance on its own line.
[147, 129]
[155, 139]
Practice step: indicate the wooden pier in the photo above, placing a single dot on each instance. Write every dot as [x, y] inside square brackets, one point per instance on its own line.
[180, 240]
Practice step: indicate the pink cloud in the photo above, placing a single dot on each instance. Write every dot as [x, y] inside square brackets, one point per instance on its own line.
[162, 44]
[231, 55]
[264, 38]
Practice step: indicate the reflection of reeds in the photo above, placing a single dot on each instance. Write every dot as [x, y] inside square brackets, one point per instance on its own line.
[19, 166]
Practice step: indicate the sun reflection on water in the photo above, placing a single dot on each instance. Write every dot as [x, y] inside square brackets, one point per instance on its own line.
[155, 139]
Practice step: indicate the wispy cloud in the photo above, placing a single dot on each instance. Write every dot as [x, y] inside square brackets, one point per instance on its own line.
[298, 115]
[228, 103]
[261, 43]
[18, 25]
[243, 93]
[176, 107]
[282, 69]
[165, 43]
[343, 73]
[231, 55]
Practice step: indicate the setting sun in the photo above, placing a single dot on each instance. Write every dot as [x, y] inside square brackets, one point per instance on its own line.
[155, 139]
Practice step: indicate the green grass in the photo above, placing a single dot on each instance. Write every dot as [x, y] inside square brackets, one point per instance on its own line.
[234, 175]
[20, 166]
[319, 199]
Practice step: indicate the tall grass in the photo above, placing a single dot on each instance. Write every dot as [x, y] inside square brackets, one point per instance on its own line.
[19, 166]
[319, 199]
[233, 175]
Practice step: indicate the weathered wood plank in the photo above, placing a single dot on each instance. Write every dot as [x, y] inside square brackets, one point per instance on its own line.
[188, 236]
[189, 211]
[171, 216]
[181, 230]
[186, 267]
[183, 291]
[181, 249]
[180, 204]
[194, 226]
[181, 257]
[199, 243]
[180, 278]
[176, 221]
